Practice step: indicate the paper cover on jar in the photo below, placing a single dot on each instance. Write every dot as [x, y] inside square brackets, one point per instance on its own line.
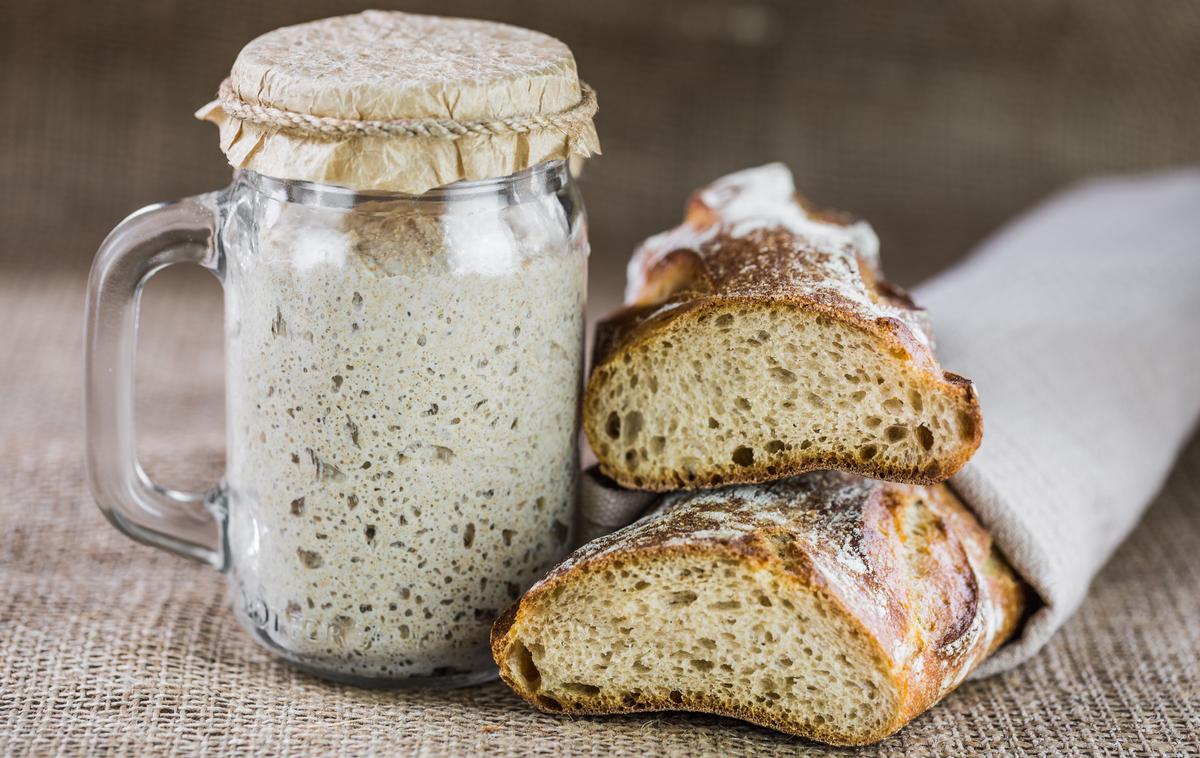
[400, 102]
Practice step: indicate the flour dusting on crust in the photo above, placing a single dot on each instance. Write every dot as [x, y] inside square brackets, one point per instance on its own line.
[826, 504]
[753, 236]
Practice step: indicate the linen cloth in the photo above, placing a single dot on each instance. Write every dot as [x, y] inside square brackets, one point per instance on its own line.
[1080, 325]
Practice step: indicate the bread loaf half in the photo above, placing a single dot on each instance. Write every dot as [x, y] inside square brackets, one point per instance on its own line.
[759, 342]
[827, 605]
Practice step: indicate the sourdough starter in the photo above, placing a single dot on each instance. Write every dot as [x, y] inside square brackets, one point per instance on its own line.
[402, 415]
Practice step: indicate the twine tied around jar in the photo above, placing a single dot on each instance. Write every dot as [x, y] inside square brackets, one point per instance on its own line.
[436, 128]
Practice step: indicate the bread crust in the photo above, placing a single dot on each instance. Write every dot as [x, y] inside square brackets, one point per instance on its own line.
[907, 565]
[714, 264]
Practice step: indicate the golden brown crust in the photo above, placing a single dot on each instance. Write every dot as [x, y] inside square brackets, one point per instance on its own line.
[907, 565]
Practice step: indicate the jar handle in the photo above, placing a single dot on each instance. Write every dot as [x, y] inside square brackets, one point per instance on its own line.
[146, 242]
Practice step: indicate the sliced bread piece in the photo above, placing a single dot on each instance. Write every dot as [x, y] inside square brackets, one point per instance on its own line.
[760, 341]
[828, 605]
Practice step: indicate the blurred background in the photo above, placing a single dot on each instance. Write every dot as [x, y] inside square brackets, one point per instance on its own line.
[937, 121]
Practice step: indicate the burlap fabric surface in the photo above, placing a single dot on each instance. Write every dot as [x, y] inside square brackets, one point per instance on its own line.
[108, 646]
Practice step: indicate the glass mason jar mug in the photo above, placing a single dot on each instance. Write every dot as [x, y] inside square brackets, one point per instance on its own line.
[403, 377]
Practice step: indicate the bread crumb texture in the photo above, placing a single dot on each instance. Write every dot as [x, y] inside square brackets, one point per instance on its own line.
[827, 605]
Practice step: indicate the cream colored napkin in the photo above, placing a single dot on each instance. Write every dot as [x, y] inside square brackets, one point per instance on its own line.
[605, 506]
[1080, 324]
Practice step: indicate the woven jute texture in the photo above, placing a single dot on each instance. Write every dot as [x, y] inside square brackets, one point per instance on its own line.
[110, 647]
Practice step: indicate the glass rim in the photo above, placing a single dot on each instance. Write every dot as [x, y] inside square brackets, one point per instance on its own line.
[544, 178]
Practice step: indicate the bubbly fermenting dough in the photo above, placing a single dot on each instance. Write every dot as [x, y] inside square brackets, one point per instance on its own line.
[402, 414]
